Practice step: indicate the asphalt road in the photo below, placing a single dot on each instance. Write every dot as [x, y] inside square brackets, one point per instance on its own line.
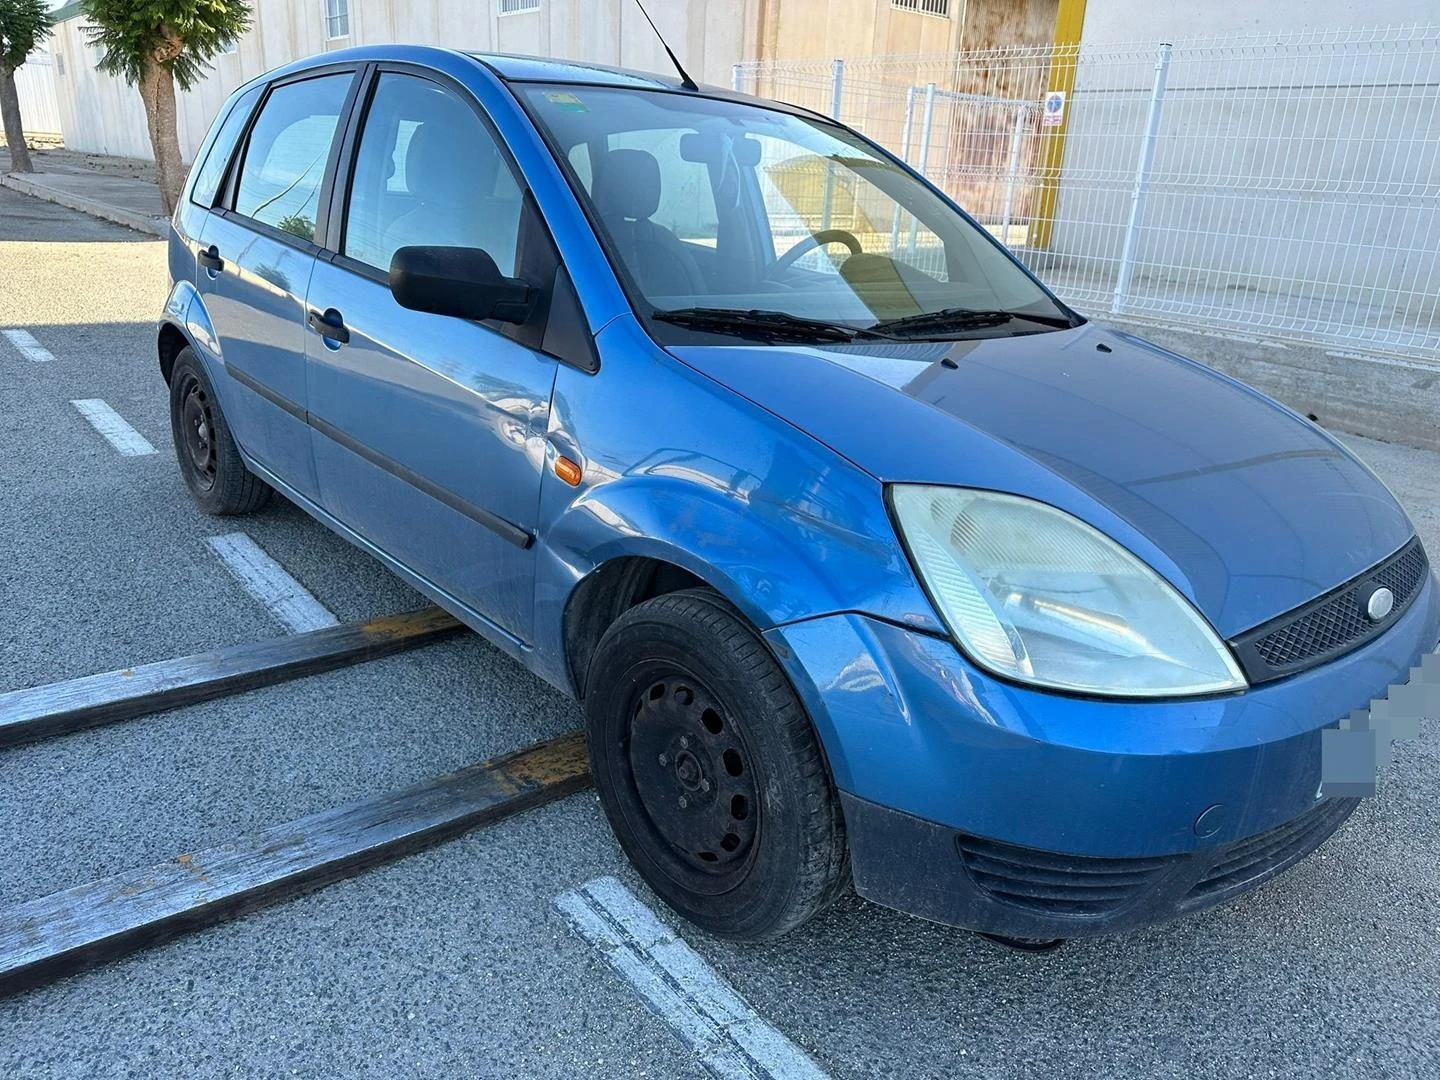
[454, 962]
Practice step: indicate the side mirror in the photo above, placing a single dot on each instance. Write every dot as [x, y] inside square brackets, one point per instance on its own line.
[463, 282]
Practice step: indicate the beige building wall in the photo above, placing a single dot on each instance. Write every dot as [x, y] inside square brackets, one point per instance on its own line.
[101, 114]
[818, 29]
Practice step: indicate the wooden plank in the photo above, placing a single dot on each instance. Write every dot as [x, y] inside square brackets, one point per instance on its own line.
[66, 932]
[41, 712]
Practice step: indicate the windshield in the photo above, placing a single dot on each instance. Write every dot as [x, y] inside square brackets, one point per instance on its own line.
[719, 211]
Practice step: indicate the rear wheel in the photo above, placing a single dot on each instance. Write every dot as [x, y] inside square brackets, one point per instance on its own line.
[710, 771]
[209, 460]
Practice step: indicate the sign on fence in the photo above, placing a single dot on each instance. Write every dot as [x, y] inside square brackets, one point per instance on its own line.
[1053, 115]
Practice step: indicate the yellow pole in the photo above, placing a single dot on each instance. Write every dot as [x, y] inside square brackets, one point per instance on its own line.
[1069, 20]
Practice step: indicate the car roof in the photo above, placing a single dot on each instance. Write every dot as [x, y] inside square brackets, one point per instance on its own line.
[512, 68]
[515, 68]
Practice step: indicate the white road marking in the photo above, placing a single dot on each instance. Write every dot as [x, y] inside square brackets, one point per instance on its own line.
[266, 580]
[730, 1038]
[26, 343]
[112, 425]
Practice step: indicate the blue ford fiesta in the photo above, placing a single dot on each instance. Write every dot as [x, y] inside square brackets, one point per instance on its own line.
[868, 558]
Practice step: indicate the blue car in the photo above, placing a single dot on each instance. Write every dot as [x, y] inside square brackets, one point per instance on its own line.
[869, 559]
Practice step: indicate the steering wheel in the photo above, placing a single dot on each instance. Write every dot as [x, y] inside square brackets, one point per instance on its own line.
[809, 244]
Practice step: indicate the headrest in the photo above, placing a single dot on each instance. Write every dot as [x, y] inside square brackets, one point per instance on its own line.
[627, 184]
[452, 161]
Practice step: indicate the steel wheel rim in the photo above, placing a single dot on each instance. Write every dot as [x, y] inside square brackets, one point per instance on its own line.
[197, 432]
[691, 772]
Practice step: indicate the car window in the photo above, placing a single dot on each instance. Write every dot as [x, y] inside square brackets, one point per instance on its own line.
[212, 170]
[289, 145]
[727, 205]
[580, 161]
[429, 171]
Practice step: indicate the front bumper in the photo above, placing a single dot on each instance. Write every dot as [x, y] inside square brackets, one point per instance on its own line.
[946, 876]
[931, 755]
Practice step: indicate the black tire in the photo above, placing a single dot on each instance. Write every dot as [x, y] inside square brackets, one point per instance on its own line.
[209, 460]
[681, 694]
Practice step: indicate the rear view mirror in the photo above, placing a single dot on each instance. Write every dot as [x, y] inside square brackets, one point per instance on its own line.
[463, 282]
[707, 148]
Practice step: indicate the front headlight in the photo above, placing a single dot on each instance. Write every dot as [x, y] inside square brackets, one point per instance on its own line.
[1036, 595]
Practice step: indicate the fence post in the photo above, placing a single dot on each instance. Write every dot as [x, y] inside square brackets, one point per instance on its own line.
[1142, 179]
[1015, 139]
[737, 78]
[837, 96]
[905, 132]
[927, 129]
[908, 130]
[837, 87]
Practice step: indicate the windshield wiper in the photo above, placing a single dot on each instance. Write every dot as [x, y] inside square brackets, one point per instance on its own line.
[770, 323]
[955, 319]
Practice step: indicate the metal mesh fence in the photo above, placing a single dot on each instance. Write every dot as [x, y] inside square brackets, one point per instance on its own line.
[1285, 186]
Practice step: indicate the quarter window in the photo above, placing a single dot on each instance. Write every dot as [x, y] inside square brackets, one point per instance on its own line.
[207, 180]
[289, 146]
[429, 172]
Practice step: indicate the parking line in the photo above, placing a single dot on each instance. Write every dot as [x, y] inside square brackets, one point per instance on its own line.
[43, 712]
[266, 580]
[112, 425]
[66, 932]
[26, 343]
[730, 1038]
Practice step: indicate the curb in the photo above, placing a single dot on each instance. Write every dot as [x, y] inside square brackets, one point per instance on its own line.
[133, 219]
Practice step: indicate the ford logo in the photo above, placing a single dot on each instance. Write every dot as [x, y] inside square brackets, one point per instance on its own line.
[1380, 604]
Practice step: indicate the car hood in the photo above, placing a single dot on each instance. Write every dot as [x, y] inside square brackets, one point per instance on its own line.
[1246, 508]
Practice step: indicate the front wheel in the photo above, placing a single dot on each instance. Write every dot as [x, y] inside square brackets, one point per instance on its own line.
[209, 460]
[710, 771]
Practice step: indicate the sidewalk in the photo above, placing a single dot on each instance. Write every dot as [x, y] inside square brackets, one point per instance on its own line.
[117, 189]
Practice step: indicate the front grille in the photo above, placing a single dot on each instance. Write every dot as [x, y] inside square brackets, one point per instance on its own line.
[1268, 853]
[1056, 884]
[1332, 624]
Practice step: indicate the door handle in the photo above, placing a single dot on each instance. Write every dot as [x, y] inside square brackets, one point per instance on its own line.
[210, 259]
[330, 326]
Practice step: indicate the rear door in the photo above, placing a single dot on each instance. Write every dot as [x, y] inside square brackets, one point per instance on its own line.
[429, 430]
[257, 252]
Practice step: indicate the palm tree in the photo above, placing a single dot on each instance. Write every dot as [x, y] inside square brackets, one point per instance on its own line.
[155, 45]
[23, 25]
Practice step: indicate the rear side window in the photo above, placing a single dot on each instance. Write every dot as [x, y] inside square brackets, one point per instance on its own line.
[289, 146]
[212, 170]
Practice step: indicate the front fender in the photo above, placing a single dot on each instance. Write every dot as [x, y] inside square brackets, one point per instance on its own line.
[777, 523]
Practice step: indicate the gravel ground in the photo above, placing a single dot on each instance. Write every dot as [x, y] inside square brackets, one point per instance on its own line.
[453, 962]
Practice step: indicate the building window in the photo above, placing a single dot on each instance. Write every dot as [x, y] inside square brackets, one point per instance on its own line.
[337, 19]
[938, 8]
[518, 7]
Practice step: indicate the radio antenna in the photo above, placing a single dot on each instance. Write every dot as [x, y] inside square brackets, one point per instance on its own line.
[685, 80]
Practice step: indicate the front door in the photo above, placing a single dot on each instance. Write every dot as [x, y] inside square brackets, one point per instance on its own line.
[257, 252]
[428, 431]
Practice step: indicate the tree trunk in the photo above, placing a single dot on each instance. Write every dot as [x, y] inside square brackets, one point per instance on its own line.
[14, 129]
[157, 91]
